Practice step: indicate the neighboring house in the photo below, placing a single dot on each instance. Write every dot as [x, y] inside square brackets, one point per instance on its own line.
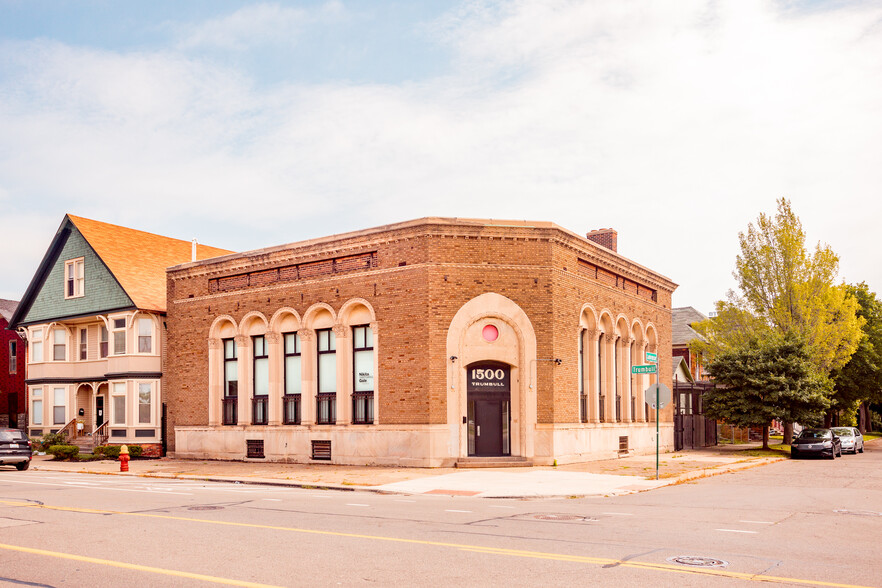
[94, 319]
[682, 334]
[431, 342]
[13, 407]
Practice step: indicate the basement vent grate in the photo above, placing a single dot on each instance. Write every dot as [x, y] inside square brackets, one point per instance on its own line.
[698, 562]
[623, 443]
[254, 448]
[321, 450]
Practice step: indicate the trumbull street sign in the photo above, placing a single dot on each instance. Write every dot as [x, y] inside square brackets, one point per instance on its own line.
[644, 369]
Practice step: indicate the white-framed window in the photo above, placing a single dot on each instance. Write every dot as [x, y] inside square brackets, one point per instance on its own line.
[13, 357]
[103, 342]
[84, 344]
[59, 345]
[59, 406]
[145, 403]
[36, 406]
[119, 336]
[36, 346]
[118, 403]
[145, 335]
[75, 278]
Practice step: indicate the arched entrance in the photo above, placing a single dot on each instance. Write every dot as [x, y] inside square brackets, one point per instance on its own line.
[488, 388]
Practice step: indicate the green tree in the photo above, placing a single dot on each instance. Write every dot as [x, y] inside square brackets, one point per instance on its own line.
[785, 290]
[769, 377]
[859, 382]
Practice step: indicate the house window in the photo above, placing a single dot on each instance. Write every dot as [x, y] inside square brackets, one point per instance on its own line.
[145, 335]
[13, 357]
[231, 382]
[59, 338]
[291, 401]
[84, 346]
[363, 375]
[58, 407]
[37, 346]
[102, 344]
[37, 406]
[600, 395]
[261, 380]
[145, 402]
[119, 336]
[583, 400]
[617, 378]
[118, 400]
[326, 403]
[74, 270]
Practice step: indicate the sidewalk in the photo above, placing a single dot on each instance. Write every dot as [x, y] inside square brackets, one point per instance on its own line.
[599, 478]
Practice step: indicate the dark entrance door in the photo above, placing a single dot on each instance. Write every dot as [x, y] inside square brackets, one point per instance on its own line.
[489, 399]
[99, 411]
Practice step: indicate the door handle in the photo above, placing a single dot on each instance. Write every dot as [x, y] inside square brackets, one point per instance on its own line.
[479, 430]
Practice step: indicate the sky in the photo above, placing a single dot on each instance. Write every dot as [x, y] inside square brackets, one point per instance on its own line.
[251, 124]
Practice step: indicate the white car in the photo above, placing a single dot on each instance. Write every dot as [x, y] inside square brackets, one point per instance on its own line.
[852, 440]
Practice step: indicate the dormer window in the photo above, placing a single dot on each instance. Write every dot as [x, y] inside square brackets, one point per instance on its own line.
[75, 278]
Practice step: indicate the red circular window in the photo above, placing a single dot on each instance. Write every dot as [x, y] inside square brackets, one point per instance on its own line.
[490, 333]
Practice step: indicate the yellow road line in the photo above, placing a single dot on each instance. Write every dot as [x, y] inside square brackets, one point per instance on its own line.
[135, 567]
[471, 548]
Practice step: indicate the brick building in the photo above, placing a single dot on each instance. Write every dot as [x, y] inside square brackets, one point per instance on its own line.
[13, 407]
[426, 343]
[93, 318]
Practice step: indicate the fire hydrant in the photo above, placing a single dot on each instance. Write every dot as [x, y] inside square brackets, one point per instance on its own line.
[124, 458]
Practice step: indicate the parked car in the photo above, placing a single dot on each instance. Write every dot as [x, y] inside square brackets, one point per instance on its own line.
[816, 442]
[15, 448]
[852, 440]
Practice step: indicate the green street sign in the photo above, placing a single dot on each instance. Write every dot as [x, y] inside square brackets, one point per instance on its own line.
[651, 357]
[644, 369]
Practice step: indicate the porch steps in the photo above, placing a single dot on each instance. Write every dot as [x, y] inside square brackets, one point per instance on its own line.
[85, 444]
[493, 462]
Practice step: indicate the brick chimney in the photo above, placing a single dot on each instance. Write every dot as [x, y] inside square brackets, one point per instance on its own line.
[608, 238]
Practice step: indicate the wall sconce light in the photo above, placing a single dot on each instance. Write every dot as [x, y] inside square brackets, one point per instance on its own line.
[453, 358]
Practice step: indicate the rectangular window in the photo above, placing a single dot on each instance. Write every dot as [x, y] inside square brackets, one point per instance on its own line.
[37, 346]
[291, 410]
[145, 402]
[145, 335]
[583, 400]
[327, 377]
[37, 406]
[363, 375]
[59, 338]
[119, 403]
[231, 382]
[74, 270]
[58, 407]
[261, 380]
[600, 395]
[13, 357]
[102, 344]
[84, 345]
[119, 336]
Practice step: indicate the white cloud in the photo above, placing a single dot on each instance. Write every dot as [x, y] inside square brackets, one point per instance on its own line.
[676, 123]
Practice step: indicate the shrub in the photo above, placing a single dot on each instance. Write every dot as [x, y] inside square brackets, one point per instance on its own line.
[108, 451]
[50, 439]
[64, 452]
[135, 451]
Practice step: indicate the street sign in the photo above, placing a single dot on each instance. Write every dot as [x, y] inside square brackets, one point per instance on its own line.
[651, 357]
[664, 395]
[644, 369]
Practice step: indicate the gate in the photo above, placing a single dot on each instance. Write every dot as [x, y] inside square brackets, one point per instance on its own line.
[692, 430]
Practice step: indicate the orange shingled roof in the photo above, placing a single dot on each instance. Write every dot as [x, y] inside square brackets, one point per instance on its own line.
[138, 259]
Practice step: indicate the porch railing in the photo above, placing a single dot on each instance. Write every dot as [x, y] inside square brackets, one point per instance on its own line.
[99, 435]
[69, 430]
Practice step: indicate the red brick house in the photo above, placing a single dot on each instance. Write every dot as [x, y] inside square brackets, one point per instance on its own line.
[13, 403]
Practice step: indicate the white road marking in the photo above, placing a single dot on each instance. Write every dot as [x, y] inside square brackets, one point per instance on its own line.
[274, 499]
[737, 531]
[97, 487]
[759, 522]
[401, 500]
[451, 510]
[620, 514]
[354, 504]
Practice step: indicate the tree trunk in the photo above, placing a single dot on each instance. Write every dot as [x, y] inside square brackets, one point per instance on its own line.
[828, 419]
[765, 436]
[788, 432]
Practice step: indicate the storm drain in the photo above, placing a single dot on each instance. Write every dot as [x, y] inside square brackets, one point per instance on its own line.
[205, 508]
[698, 562]
[860, 513]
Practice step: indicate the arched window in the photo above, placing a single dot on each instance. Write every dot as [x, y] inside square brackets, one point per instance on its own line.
[600, 389]
[583, 400]
[231, 382]
[261, 380]
[293, 384]
[326, 402]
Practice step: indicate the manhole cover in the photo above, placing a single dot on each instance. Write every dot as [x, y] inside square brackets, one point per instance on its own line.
[698, 562]
[860, 513]
[562, 517]
[205, 508]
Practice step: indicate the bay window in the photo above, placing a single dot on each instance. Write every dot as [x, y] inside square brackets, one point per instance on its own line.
[59, 340]
[145, 335]
[145, 403]
[37, 346]
[37, 406]
[59, 406]
[118, 400]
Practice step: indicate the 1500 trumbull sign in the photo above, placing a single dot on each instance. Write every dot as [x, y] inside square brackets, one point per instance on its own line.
[488, 377]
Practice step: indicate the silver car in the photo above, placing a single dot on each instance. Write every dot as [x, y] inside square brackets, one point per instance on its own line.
[852, 440]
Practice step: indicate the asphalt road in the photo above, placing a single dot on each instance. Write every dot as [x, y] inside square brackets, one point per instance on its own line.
[811, 522]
